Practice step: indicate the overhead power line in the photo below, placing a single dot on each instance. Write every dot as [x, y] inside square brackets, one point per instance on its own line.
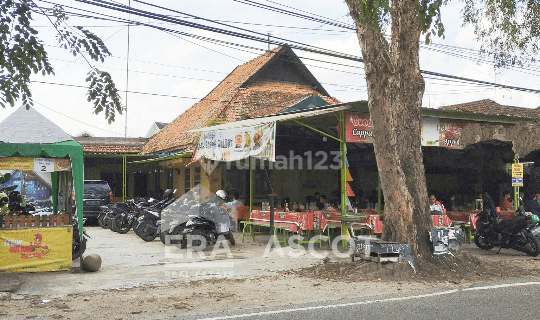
[296, 45]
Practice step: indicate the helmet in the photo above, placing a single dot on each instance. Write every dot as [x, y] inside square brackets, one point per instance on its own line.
[221, 194]
[534, 219]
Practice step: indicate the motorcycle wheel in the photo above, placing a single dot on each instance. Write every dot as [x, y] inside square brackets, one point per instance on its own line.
[230, 237]
[107, 222]
[113, 227]
[195, 242]
[121, 224]
[145, 233]
[78, 249]
[136, 227]
[162, 237]
[482, 242]
[100, 221]
[532, 247]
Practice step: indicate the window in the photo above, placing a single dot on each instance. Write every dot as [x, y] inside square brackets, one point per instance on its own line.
[170, 178]
[197, 176]
[187, 180]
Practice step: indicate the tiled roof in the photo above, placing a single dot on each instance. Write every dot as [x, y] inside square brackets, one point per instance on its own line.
[490, 107]
[255, 88]
[111, 144]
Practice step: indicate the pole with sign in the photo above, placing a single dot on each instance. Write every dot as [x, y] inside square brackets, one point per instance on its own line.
[517, 180]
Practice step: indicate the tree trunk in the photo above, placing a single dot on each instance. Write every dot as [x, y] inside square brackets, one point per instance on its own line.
[395, 89]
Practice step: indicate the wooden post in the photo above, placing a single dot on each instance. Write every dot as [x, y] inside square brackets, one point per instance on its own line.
[15, 221]
[58, 220]
[22, 221]
[7, 221]
[66, 219]
[43, 221]
[51, 221]
[36, 221]
[29, 221]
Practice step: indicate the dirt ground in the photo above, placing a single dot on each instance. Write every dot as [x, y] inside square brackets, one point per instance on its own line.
[260, 283]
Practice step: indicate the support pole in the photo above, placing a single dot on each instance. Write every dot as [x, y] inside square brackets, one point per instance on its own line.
[516, 190]
[343, 175]
[124, 178]
[251, 181]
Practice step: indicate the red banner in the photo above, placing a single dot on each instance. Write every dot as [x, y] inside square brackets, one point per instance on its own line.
[358, 128]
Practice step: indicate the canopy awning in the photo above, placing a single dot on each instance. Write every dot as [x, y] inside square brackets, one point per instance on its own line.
[280, 117]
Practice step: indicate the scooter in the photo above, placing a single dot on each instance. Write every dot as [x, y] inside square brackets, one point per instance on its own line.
[210, 230]
[78, 245]
[515, 234]
[147, 225]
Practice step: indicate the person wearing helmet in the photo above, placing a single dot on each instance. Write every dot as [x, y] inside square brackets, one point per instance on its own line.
[222, 194]
[534, 219]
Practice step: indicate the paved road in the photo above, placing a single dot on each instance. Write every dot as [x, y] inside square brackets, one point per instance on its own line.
[487, 301]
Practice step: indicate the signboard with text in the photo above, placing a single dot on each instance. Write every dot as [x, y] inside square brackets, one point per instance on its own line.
[517, 170]
[233, 144]
[358, 128]
[35, 249]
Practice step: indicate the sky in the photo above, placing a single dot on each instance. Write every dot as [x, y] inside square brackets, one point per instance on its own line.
[165, 74]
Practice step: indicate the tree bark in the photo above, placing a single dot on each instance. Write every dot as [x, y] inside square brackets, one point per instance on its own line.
[395, 90]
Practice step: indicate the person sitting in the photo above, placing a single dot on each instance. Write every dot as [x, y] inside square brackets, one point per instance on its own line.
[231, 206]
[435, 206]
[506, 202]
[531, 204]
[323, 205]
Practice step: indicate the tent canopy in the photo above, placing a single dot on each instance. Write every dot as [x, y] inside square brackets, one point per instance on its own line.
[27, 133]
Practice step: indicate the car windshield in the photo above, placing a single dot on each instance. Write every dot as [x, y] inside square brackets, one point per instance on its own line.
[95, 187]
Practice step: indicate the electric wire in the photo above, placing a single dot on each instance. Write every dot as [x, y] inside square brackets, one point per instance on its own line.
[358, 59]
[71, 118]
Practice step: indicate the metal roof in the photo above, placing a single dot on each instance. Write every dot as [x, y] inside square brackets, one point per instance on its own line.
[30, 126]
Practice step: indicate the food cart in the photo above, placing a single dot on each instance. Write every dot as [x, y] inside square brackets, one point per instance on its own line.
[34, 148]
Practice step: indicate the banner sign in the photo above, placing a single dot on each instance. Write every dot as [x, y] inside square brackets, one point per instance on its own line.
[442, 133]
[517, 170]
[450, 134]
[35, 249]
[13, 163]
[233, 144]
[358, 128]
[40, 164]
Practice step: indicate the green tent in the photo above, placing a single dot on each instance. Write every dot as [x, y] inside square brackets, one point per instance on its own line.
[27, 133]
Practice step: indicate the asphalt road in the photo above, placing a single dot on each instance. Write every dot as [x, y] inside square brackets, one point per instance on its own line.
[487, 301]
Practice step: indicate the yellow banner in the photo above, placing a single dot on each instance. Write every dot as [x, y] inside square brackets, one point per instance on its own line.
[35, 249]
[517, 170]
[12, 163]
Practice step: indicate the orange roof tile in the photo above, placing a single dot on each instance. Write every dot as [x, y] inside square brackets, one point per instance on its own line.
[490, 107]
[253, 89]
[111, 144]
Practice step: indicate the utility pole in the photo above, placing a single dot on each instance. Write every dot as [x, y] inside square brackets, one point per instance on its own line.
[127, 71]
[268, 41]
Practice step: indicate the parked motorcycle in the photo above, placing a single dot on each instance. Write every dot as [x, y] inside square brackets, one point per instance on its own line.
[148, 226]
[515, 234]
[78, 245]
[205, 219]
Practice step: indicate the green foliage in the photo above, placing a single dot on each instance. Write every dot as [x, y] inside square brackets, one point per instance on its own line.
[508, 30]
[428, 15]
[22, 53]
[377, 11]
[215, 121]
[104, 94]
[429, 18]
